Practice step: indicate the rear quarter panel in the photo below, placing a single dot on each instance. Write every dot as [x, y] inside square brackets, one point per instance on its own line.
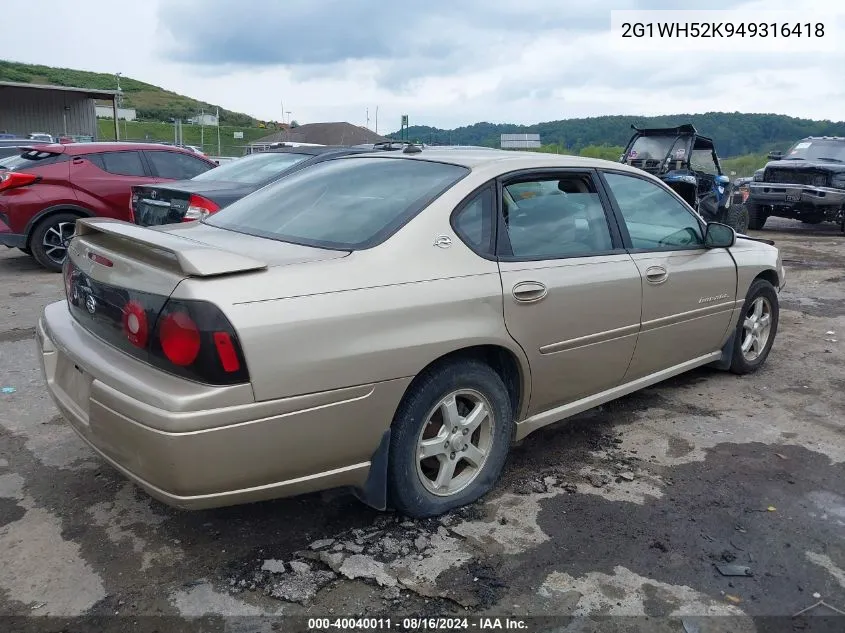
[23, 205]
[376, 315]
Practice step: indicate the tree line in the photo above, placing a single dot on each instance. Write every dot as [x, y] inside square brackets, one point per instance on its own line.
[734, 133]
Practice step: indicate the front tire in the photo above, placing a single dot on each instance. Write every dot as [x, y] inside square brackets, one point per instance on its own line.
[48, 240]
[738, 218]
[757, 216]
[757, 328]
[449, 439]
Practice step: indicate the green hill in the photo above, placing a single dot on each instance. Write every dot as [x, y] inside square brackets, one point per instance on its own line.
[735, 133]
[150, 102]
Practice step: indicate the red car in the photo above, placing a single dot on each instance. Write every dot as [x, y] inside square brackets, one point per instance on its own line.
[46, 188]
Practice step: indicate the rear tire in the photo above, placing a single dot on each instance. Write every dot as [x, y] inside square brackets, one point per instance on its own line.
[47, 237]
[813, 220]
[738, 218]
[443, 402]
[757, 216]
[757, 328]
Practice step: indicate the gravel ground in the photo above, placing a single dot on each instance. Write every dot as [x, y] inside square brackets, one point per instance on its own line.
[626, 510]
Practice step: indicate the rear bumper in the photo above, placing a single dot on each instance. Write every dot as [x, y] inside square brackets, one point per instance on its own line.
[211, 451]
[7, 238]
[821, 199]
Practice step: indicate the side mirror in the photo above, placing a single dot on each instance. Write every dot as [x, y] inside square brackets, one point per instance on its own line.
[723, 180]
[719, 235]
[775, 155]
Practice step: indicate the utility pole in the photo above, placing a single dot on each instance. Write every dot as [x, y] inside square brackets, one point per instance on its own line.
[368, 119]
[202, 129]
[288, 113]
[219, 152]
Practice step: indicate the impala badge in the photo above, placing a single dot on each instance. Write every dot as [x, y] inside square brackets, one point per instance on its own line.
[91, 304]
[443, 242]
[712, 299]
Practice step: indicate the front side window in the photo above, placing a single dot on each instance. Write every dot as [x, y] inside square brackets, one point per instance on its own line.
[347, 203]
[655, 219]
[563, 218]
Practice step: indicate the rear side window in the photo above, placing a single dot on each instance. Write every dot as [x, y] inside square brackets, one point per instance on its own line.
[348, 203]
[176, 165]
[122, 163]
[474, 222]
[30, 159]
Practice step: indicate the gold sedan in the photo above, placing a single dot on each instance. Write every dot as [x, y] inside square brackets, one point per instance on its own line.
[391, 323]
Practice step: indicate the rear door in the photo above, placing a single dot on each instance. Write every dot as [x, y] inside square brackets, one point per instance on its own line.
[689, 292]
[571, 293]
[103, 180]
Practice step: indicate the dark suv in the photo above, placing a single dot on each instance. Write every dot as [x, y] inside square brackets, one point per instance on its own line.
[807, 184]
[47, 187]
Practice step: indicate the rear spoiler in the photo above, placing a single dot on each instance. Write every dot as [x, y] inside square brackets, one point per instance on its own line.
[193, 258]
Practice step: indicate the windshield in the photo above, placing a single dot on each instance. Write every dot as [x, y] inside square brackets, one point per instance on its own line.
[821, 150]
[253, 169]
[345, 204]
[658, 148]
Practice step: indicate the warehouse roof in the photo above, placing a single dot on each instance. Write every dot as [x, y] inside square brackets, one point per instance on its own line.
[89, 92]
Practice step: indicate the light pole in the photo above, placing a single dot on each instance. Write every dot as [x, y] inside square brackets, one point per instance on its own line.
[119, 106]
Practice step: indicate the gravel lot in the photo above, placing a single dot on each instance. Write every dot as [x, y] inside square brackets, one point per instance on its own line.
[625, 510]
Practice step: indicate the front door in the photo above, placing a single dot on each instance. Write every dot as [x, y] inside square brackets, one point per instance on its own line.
[689, 292]
[571, 293]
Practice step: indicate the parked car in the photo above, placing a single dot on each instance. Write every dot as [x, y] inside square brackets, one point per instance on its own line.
[807, 184]
[207, 193]
[48, 187]
[41, 137]
[687, 161]
[391, 322]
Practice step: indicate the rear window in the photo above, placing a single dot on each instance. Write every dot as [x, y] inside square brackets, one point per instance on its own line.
[253, 169]
[347, 203]
[33, 158]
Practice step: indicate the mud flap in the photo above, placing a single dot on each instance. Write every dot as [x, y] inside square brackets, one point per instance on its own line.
[724, 362]
[374, 491]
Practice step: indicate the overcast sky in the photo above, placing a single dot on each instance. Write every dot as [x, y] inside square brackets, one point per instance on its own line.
[445, 63]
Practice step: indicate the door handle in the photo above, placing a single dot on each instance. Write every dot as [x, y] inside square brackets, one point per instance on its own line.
[529, 291]
[656, 274]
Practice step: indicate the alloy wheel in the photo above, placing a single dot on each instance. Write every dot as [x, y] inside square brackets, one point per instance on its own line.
[455, 442]
[756, 329]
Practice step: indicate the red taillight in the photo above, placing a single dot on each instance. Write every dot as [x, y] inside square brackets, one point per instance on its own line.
[180, 339]
[14, 179]
[135, 325]
[226, 352]
[199, 207]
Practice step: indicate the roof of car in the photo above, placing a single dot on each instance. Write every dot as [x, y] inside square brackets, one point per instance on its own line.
[106, 146]
[509, 159]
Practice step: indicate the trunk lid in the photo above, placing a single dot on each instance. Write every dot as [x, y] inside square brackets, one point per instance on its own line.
[113, 264]
[154, 205]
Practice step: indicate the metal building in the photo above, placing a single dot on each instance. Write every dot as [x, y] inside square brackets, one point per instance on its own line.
[519, 141]
[55, 110]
